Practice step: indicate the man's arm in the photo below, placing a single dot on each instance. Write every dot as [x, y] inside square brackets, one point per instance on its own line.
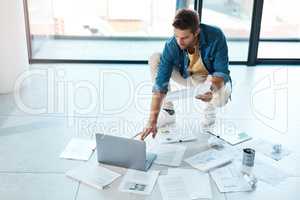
[221, 61]
[216, 84]
[160, 87]
[221, 74]
[156, 102]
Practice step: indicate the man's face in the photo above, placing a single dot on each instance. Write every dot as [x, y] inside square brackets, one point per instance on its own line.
[185, 38]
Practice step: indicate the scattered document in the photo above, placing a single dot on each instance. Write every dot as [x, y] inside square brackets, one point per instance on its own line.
[268, 149]
[287, 165]
[79, 149]
[209, 159]
[172, 187]
[93, 175]
[265, 169]
[188, 93]
[168, 135]
[230, 179]
[168, 154]
[269, 173]
[196, 183]
[139, 182]
[232, 137]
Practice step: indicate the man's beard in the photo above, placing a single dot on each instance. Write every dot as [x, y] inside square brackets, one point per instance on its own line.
[187, 47]
[191, 45]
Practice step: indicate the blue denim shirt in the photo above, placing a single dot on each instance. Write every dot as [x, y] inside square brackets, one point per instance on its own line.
[214, 53]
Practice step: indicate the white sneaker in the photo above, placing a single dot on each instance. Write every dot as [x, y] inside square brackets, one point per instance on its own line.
[215, 142]
[164, 118]
[209, 116]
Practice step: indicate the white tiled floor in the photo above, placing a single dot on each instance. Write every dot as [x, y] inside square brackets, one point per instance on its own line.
[36, 186]
[59, 102]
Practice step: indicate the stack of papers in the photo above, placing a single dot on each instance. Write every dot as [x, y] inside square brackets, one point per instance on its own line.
[174, 135]
[139, 182]
[209, 159]
[230, 179]
[93, 175]
[79, 149]
[172, 187]
[170, 155]
[196, 183]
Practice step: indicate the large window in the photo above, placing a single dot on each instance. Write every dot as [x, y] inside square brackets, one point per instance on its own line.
[100, 29]
[257, 31]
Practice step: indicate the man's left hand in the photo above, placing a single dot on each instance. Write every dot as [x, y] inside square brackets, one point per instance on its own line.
[216, 83]
[206, 97]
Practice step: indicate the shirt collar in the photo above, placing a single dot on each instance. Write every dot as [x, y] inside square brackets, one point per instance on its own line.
[202, 38]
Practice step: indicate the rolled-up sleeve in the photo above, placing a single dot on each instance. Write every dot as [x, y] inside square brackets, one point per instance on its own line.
[165, 69]
[220, 63]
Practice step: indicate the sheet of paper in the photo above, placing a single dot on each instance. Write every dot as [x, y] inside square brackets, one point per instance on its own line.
[197, 183]
[265, 169]
[208, 160]
[139, 182]
[231, 136]
[168, 135]
[288, 165]
[230, 179]
[93, 174]
[269, 173]
[169, 154]
[79, 149]
[188, 93]
[172, 187]
[266, 148]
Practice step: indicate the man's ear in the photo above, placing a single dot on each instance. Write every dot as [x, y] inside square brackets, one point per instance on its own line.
[197, 31]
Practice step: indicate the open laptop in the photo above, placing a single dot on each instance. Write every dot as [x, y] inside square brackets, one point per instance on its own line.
[123, 152]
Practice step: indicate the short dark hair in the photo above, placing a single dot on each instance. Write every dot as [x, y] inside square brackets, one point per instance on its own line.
[186, 19]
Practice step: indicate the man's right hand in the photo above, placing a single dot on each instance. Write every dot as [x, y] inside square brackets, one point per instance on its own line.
[151, 127]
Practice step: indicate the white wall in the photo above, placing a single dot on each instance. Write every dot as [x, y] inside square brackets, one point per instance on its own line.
[13, 48]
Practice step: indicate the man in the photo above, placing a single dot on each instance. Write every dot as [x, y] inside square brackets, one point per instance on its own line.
[196, 53]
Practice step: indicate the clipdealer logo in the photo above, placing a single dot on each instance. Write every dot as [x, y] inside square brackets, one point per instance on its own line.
[269, 100]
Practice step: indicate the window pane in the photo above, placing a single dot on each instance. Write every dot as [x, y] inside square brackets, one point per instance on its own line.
[100, 29]
[234, 18]
[280, 23]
